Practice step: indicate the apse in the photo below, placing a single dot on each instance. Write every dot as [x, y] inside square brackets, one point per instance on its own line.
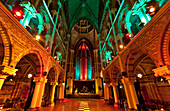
[83, 63]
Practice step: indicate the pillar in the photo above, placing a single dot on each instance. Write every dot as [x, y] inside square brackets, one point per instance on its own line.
[163, 71]
[41, 92]
[106, 91]
[54, 28]
[2, 79]
[97, 73]
[70, 74]
[133, 94]
[61, 91]
[4, 72]
[115, 91]
[130, 93]
[38, 92]
[35, 95]
[52, 93]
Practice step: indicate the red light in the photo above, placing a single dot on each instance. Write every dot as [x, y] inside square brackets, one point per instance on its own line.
[162, 109]
[129, 35]
[59, 61]
[18, 13]
[47, 48]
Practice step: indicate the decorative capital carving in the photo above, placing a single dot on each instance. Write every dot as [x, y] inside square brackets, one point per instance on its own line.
[126, 80]
[54, 83]
[162, 71]
[7, 70]
[40, 79]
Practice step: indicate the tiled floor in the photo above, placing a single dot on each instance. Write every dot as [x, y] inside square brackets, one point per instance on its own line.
[82, 105]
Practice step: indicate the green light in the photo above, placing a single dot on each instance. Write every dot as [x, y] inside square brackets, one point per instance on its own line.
[78, 68]
[89, 70]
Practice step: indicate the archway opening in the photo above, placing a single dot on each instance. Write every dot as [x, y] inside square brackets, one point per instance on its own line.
[18, 90]
[149, 89]
[46, 100]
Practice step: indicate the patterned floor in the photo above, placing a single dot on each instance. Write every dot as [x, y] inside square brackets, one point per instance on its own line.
[82, 105]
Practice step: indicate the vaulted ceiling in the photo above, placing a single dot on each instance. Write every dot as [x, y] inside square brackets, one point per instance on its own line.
[76, 10]
[83, 9]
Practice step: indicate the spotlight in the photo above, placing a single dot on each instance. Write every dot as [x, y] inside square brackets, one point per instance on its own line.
[63, 83]
[121, 46]
[152, 9]
[139, 75]
[162, 109]
[55, 57]
[121, 87]
[129, 35]
[47, 48]
[37, 37]
[29, 75]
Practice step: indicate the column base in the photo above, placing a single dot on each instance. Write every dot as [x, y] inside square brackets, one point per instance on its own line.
[59, 100]
[51, 104]
[106, 101]
[132, 109]
[34, 109]
[116, 104]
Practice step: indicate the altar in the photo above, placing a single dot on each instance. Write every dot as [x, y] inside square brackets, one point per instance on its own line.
[84, 87]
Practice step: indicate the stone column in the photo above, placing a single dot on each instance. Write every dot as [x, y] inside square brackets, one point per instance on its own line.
[41, 92]
[106, 92]
[115, 90]
[163, 71]
[130, 93]
[52, 93]
[133, 94]
[6, 71]
[96, 72]
[2, 79]
[70, 74]
[38, 93]
[61, 91]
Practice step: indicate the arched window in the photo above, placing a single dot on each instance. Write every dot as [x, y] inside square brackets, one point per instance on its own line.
[83, 63]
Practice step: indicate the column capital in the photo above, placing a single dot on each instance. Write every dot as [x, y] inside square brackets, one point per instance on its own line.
[162, 71]
[40, 79]
[54, 83]
[113, 84]
[3, 76]
[71, 50]
[126, 80]
[7, 70]
[95, 50]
